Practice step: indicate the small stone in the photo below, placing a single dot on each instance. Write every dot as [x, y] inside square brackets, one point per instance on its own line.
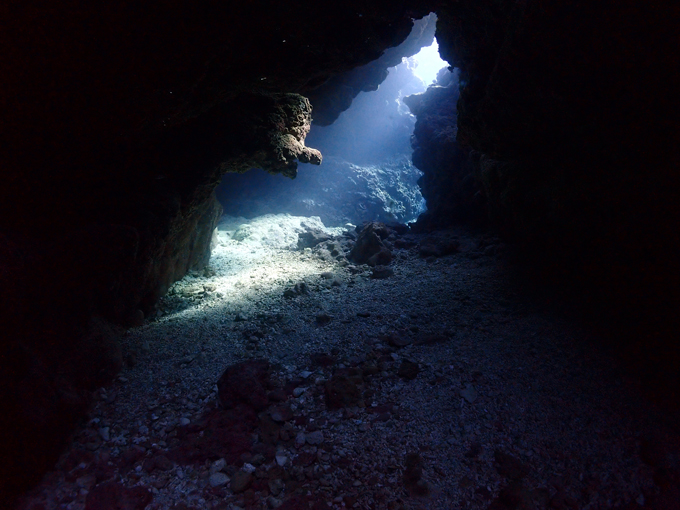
[300, 439]
[298, 391]
[281, 414]
[241, 481]
[273, 502]
[323, 318]
[281, 460]
[218, 479]
[104, 433]
[382, 272]
[218, 465]
[469, 393]
[305, 374]
[396, 340]
[163, 463]
[184, 421]
[315, 437]
[276, 486]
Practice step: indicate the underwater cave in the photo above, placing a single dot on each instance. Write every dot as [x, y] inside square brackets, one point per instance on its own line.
[389, 255]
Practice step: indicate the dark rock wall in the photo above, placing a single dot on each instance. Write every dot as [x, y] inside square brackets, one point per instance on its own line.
[570, 109]
[449, 183]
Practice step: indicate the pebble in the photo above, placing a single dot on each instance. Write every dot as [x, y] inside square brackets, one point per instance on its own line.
[281, 460]
[184, 421]
[218, 479]
[241, 481]
[273, 502]
[104, 433]
[469, 393]
[218, 465]
[298, 391]
[315, 437]
[276, 486]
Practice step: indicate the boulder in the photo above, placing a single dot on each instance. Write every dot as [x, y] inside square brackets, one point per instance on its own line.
[369, 247]
[245, 383]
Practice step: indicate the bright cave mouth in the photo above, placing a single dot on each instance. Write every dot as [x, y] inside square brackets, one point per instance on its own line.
[366, 176]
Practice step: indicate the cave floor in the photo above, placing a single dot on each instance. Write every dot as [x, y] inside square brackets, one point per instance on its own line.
[461, 391]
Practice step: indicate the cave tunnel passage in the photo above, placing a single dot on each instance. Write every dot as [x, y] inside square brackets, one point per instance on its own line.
[311, 364]
[367, 173]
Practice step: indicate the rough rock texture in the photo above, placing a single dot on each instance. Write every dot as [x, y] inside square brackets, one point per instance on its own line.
[336, 94]
[370, 248]
[448, 184]
[572, 114]
[118, 121]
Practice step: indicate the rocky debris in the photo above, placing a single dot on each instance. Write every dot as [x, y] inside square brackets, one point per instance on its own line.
[281, 231]
[218, 479]
[469, 393]
[245, 383]
[240, 481]
[323, 318]
[369, 247]
[298, 290]
[396, 340]
[340, 409]
[312, 237]
[220, 434]
[381, 272]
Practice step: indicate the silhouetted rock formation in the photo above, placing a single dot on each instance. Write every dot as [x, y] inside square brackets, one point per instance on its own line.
[448, 185]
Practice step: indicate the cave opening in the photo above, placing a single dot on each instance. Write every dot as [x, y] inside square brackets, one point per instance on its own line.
[367, 173]
[314, 346]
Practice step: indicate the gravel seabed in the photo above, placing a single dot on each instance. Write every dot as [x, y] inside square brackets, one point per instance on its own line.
[510, 398]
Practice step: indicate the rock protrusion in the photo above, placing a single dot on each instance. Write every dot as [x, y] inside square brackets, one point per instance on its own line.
[370, 248]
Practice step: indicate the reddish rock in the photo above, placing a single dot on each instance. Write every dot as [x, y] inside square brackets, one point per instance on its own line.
[245, 383]
[221, 434]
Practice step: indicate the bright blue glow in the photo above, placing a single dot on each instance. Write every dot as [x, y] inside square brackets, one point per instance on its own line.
[428, 63]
